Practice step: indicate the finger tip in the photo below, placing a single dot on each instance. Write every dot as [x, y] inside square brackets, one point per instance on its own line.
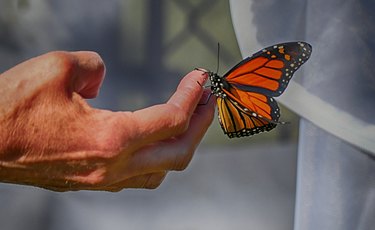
[189, 91]
[202, 74]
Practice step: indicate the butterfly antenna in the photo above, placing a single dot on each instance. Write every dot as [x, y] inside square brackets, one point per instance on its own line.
[218, 57]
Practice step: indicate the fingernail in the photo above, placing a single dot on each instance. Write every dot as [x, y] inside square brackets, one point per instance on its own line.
[204, 74]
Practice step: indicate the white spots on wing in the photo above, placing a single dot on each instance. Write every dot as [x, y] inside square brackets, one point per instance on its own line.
[251, 131]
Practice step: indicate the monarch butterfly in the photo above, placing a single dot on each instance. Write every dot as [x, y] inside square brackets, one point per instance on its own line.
[245, 93]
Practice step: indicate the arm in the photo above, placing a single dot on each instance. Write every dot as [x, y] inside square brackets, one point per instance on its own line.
[50, 137]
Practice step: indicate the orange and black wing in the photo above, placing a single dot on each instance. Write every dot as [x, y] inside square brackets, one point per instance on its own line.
[237, 120]
[269, 71]
[248, 107]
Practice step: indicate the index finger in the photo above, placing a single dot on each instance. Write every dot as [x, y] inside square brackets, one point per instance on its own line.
[188, 94]
[164, 121]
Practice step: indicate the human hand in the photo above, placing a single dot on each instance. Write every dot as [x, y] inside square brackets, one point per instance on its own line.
[51, 138]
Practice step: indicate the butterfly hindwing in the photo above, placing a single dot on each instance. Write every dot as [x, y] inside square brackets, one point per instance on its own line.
[238, 121]
[259, 104]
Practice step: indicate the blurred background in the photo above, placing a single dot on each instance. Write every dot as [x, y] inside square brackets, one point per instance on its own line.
[148, 46]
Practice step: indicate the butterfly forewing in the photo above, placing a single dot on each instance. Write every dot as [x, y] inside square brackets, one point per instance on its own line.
[269, 70]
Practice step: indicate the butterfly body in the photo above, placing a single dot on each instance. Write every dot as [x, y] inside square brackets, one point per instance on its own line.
[218, 85]
[245, 93]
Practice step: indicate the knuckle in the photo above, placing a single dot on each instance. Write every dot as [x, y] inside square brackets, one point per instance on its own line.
[180, 166]
[182, 160]
[95, 61]
[113, 189]
[62, 61]
[104, 153]
[153, 185]
[95, 179]
[66, 62]
[155, 180]
[180, 121]
[59, 57]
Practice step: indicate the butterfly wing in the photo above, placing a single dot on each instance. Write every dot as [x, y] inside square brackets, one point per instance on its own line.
[238, 121]
[248, 107]
[269, 71]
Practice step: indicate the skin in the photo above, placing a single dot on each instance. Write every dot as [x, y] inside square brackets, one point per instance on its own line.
[51, 138]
